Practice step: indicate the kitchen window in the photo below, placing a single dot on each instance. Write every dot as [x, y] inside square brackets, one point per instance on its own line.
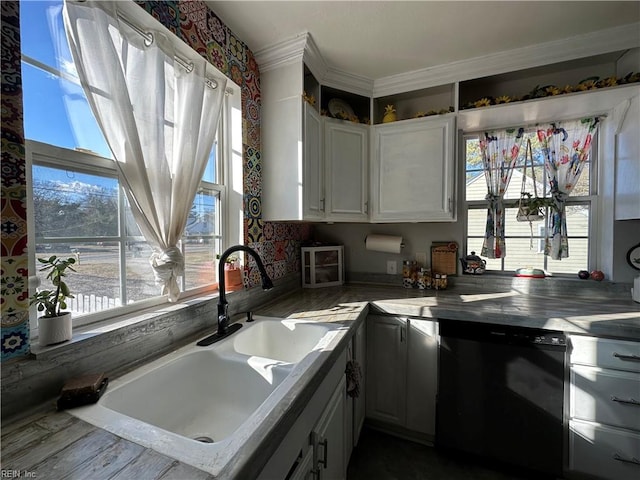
[76, 204]
[524, 240]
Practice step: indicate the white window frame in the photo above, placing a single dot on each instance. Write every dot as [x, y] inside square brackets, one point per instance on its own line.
[591, 200]
[229, 172]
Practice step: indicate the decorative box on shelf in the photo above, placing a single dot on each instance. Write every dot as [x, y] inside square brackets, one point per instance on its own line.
[322, 266]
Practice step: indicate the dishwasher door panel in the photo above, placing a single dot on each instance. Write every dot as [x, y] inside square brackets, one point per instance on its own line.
[502, 401]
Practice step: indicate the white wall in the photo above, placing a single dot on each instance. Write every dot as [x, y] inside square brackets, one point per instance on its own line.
[417, 238]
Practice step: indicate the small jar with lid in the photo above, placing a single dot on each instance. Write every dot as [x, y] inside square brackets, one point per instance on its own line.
[424, 278]
[409, 273]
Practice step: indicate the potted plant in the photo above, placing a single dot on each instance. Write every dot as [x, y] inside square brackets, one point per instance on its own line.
[531, 209]
[55, 325]
[232, 274]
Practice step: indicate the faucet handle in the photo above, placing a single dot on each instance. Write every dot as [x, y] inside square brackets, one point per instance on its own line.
[249, 316]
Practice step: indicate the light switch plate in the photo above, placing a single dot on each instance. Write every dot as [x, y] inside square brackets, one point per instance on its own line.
[392, 267]
[421, 258]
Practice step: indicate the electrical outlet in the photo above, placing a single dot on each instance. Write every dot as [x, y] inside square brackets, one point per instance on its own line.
[421, 258]
[392, 267]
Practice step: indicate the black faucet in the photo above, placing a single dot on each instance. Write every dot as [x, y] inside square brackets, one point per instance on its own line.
[224, 329]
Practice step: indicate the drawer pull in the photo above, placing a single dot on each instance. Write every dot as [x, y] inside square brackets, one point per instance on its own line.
[620, 458]
[631, 401]
[635, 358]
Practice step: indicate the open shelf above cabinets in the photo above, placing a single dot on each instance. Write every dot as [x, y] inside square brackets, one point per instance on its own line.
[584, 74]
[345, 105]
[415, 104]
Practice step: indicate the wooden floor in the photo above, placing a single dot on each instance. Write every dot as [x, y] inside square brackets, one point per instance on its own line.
[59, 446]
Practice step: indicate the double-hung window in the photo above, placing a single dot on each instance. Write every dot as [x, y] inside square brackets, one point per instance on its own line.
[77, 207]
[525, 241]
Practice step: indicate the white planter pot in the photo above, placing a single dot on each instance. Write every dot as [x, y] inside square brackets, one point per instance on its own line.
[55, 329]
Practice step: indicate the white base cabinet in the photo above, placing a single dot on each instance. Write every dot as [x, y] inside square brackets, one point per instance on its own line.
[328, 438]
[604, 408]
[401, 380]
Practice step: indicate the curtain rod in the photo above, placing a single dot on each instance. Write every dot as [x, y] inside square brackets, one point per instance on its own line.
[148, 40]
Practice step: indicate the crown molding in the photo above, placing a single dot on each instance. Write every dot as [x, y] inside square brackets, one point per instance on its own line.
[302, 47]
[282, 53]
[594, 43]
[348, 82]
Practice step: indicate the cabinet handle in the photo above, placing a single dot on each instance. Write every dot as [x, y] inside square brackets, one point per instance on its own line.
[635, 358]
[325, 444]
[402, 334]
[631, 401]
[620, 458]
[322, 204]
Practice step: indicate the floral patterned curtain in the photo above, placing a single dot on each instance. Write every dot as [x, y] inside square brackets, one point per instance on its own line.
[566, 148]
[499, 149]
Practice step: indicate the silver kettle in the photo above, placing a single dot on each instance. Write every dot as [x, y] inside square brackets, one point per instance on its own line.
[473, 264]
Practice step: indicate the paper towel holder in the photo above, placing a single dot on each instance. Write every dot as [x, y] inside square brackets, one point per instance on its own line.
[402, 244]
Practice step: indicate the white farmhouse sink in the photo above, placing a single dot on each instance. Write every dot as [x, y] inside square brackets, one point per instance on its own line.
[199, 404]
[283, 340]
[201, 395]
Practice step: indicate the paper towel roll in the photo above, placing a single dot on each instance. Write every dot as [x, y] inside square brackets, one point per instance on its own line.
[384, 243]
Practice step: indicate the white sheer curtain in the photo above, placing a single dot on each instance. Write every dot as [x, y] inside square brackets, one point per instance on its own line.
[159, 120]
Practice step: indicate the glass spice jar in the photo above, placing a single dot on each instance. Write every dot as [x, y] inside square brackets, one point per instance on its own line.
[409, 273]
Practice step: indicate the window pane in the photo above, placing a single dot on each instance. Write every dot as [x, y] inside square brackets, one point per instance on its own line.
[73, 204]
[476, 184]
[577, 220]
[42, 34]
[521, 254]
[577, 260]
[140, 282]
[68, 122]
[477, 222]
[211, 172]
[95, 283]
[202, 240]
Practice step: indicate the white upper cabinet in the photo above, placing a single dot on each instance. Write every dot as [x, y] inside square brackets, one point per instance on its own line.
[292, 163]
[413, 170]
[346, 169]
[627, 151]
[312, 166]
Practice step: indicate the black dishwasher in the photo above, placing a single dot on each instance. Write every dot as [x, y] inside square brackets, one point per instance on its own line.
[501, 394]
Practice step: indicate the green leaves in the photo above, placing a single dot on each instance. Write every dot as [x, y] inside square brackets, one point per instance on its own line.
[53, 301]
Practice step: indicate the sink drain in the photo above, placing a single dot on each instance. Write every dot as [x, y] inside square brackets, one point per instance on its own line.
[204, 439]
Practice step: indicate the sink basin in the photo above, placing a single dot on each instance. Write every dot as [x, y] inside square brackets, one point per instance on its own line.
[199, 404]
[283, 340]
[200, 395]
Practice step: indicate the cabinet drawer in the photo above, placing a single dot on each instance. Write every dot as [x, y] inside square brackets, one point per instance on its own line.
[606, 396]
[605, 353]
[603, 452]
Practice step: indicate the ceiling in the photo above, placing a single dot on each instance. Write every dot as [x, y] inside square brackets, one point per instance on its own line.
[376, 39]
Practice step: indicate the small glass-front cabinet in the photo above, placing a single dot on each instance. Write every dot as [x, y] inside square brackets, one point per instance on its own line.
[322, 266]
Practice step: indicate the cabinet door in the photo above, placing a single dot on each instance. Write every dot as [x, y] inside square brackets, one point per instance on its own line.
[304, 468]
[346, 164]
[413, 171]
[386, 369]
[313, 169]
[422, 376]
[627, 151]
[328, 438]
[359, 406]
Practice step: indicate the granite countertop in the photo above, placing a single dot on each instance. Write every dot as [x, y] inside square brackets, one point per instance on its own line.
[608, 315]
